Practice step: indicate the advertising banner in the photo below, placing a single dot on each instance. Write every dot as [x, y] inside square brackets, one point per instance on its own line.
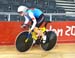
[64, 30]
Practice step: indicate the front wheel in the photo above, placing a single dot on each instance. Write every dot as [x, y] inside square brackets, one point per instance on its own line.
[21, 44]
[51, 39]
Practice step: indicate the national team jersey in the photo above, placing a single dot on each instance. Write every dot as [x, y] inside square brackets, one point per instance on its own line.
[33, 15]
[36, 12]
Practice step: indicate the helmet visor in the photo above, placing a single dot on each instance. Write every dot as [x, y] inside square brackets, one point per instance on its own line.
[20, 12]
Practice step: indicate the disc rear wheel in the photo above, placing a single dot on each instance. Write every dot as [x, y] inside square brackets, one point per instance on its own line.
[51, 39]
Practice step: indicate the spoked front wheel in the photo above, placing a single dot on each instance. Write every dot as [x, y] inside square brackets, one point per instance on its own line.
[50, 42]
[23, 43]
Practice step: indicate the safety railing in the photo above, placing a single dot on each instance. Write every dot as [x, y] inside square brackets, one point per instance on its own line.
[50, 16]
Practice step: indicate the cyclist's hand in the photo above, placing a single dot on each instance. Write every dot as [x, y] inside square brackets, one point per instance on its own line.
[30, 31]
[23, 26]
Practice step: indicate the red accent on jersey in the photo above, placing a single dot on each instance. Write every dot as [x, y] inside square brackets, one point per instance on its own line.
[33, 18]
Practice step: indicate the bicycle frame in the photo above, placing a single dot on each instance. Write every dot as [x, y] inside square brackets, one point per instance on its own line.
[34, 36]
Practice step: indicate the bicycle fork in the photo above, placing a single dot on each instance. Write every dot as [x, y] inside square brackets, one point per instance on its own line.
[28, 36]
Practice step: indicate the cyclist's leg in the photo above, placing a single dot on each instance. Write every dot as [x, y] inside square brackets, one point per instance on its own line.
[39, 23]
[41, 20]
[38, 32]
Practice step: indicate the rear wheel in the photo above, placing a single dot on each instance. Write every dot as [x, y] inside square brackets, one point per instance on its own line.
[51, 39]
[21, 44]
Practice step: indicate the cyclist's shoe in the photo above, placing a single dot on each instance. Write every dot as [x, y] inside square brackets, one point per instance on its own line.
[44, 39]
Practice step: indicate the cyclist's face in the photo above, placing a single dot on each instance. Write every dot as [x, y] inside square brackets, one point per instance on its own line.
[21, 13]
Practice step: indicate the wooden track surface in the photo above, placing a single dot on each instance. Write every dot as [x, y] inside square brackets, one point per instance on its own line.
[59, 51]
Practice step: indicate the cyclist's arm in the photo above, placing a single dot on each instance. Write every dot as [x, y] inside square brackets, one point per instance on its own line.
[26, 20]
[33, 19]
